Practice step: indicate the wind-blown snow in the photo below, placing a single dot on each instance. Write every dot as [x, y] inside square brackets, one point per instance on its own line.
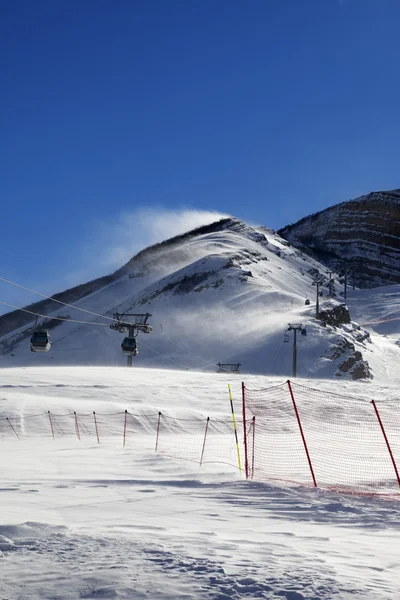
[223, 296]
[80, 519]
[85, 520]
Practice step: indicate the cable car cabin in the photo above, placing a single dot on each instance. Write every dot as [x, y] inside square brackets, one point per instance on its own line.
[304, 332]
[40, 342]
[307, 302]
[129, 347]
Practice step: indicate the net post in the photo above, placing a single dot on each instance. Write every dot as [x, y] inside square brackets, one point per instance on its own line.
[204, 441]
[158, 430]
[302, 433]
[10, 424]
[386, 440]
[78, 435]
[97, 430]
[125, 419]
[235, 429]
[253, 449]
[246, 463]
[51, 424]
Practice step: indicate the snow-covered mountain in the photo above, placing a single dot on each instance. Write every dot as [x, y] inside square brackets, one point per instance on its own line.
[226, 293]
[362, 235]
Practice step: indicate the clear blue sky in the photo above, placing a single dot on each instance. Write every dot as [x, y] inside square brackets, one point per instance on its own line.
[265, 109]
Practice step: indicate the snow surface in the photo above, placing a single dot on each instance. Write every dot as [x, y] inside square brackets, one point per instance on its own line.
[85, 520]
[81, 519]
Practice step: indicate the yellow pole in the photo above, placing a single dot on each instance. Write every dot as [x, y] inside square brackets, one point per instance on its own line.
[234, 428]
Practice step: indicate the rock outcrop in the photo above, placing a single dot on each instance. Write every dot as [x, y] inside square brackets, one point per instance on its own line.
[361, 236]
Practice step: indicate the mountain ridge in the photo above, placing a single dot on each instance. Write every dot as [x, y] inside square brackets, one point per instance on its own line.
[362, 234]
[225, 292]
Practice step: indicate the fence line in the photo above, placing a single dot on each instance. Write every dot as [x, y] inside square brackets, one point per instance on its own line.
[312, 437]
[201, 441]
[288, 433]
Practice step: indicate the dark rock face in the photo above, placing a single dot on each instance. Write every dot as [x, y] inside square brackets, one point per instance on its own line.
[350, 361]
[335, 316]
[363, 234]
[355, 366]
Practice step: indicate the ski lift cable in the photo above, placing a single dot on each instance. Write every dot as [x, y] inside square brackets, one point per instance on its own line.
[54, 300]
[166, 357]
[381, 321]
[183, 347]
[276, 356]
[57, 318]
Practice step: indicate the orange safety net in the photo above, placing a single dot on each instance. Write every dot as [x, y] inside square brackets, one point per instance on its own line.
[309, 436]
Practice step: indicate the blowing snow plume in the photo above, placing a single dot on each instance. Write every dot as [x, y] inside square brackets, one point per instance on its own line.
[113, 244]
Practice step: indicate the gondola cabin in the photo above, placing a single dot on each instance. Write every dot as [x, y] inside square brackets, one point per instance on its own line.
[307, 302]
[40, 341]
[129, 347]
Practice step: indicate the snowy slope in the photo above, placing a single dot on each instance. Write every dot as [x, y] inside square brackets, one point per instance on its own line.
[225, 294]
[85, 520]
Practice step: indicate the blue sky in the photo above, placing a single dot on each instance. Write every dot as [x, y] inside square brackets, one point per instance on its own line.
[121, 121]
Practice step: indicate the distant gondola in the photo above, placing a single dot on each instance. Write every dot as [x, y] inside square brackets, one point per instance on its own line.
[40, 341]
[129, 347]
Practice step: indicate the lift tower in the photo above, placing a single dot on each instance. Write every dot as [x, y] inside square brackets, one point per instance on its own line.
[129, 344]
[318, 283]
[295, 327]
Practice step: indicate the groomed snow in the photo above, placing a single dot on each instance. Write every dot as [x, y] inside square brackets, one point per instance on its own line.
[85, 520]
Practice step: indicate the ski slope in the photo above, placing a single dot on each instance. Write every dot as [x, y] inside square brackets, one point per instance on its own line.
[85, 520]
[223, 296]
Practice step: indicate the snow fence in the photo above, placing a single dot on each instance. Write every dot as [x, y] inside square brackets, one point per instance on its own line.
[288, 433]
[308, 436]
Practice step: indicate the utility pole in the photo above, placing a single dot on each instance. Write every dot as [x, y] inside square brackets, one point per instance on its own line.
[295, 328]
[317, 283]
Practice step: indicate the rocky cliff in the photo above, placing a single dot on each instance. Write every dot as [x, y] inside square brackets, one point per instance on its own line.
[362, 235]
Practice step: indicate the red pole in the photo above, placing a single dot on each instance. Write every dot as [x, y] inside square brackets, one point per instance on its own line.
[126, 415]
[51, 424]
[254, 439]
[78, 435]
[302, 434]
[246, 462]
[204, 441]
[158, 429]
[387, 441]
[10, 424]
[95, 424]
